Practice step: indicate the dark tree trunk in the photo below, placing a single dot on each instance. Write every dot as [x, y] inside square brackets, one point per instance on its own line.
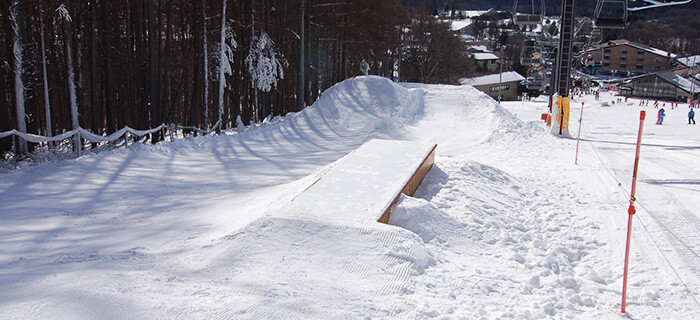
[95, 124]
[109, 91]
[153, 69]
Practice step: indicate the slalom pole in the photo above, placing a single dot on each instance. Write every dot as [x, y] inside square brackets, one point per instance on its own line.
[580, 119]
[631, 211]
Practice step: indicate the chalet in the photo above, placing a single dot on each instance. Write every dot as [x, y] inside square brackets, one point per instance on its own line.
[505, 84]
[664, 85]
[486, 61]
[630, 57]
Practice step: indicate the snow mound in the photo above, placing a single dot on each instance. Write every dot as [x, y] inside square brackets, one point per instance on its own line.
[510, 224]
[511, 125]
[467, 118]
[486, 188]
[423, 218]
[370, 103]
[502, 124]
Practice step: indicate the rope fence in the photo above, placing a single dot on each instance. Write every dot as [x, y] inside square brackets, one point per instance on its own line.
[85, 135]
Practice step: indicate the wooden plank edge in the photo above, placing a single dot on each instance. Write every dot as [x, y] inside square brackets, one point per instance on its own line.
[412, 184]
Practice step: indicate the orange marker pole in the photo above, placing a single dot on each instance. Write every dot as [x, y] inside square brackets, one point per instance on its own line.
[631, 211]
[580, 119]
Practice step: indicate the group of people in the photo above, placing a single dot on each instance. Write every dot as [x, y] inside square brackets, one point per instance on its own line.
[662, 113]
[643, 103]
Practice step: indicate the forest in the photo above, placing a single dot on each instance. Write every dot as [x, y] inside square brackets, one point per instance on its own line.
[101, 65]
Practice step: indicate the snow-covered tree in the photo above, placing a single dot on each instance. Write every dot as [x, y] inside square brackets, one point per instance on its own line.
[18, 70]
[264, 65]
[364, 67]
[226, 45]
[65, 16]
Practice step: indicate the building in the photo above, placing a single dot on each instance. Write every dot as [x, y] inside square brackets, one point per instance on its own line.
[462, 27]
[624, 57]
[689, 61]
[664, 85]
[490, 84]
[478, 46]
[486, 61]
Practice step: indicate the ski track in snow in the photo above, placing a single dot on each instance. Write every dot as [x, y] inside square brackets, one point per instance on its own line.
[504, 226]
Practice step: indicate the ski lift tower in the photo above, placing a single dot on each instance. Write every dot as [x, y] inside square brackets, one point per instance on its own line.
[561, 81]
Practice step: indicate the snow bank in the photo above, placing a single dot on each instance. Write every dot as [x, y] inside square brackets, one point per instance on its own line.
[368, 103]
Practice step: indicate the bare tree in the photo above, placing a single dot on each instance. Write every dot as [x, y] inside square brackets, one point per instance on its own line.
[45, 77]
[18, 70]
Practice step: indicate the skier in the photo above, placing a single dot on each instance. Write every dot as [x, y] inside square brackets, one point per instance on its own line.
[691, 116]
[661, 115]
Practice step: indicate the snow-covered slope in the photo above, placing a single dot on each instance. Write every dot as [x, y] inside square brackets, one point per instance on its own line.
[504, 225]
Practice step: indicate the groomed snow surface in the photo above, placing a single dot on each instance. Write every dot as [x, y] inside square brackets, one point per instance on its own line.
[504, 225]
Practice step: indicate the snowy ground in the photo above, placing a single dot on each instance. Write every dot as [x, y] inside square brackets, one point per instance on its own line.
[504, 226]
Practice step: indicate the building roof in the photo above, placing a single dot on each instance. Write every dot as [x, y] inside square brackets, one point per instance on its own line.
[485, 56]
[510, 76]
[619, 42]
[482, 48]
[690, 61]
[457, 25]
[682, 83]
[479, 44]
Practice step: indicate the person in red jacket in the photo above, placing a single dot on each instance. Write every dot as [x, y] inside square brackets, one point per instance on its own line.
[661, 115]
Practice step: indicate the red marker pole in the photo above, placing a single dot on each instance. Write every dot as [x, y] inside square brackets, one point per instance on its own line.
[631, 211]
[580, 119]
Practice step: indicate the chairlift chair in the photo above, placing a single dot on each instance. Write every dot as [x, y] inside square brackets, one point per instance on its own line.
[588, 65]
[534, 17]
[536, 79]
[611, 14]
[528, 48]
[536, 60]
